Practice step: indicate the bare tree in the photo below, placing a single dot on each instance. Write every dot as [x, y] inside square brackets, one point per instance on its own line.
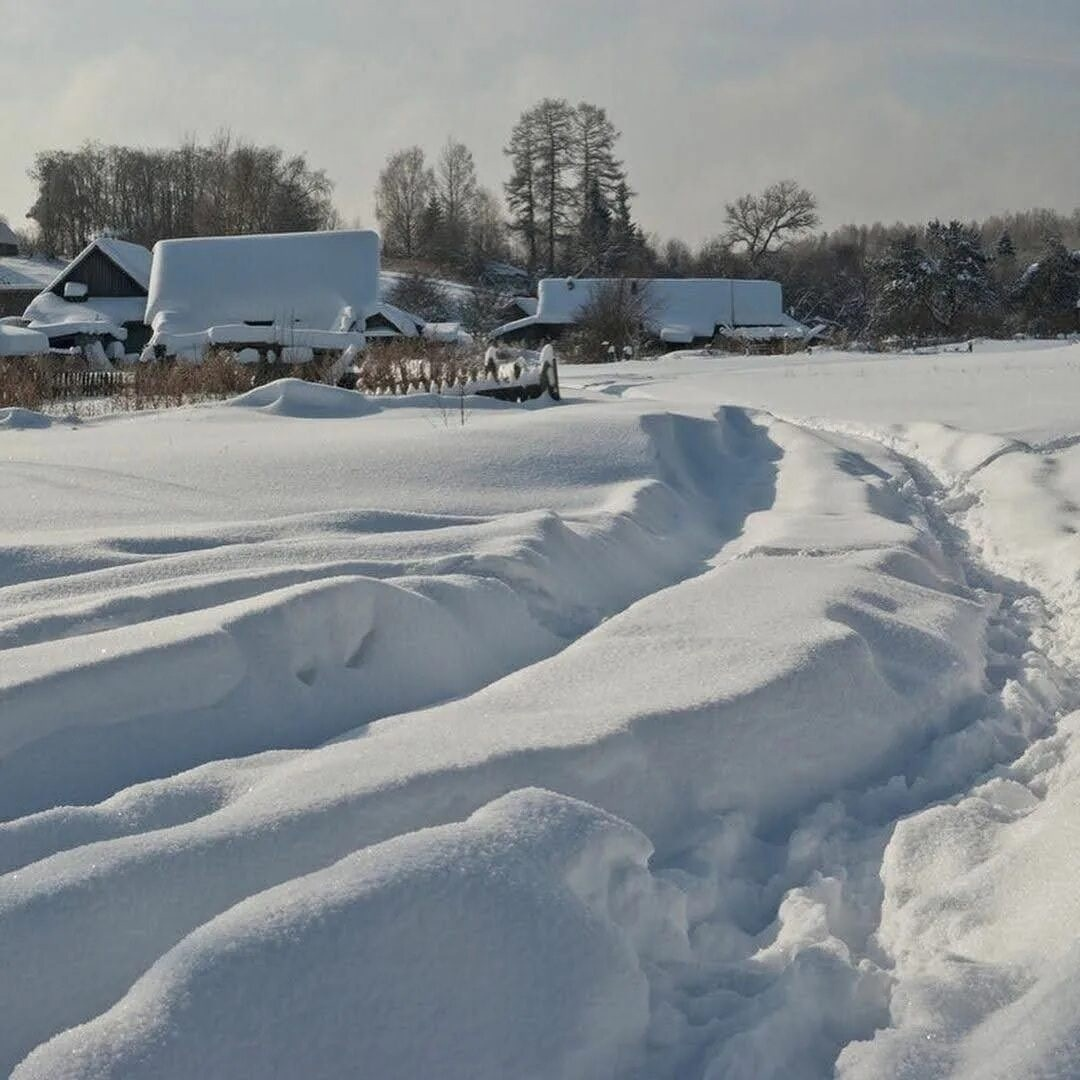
[612, 321]
[419, 295]
[226, 187]
[402, 194]
[487, 236]
[457, 190]
[765, 222]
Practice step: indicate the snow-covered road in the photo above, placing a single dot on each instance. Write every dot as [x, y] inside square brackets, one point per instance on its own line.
[716, 723]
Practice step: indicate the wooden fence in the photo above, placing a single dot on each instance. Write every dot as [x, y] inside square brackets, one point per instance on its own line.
[61, 385]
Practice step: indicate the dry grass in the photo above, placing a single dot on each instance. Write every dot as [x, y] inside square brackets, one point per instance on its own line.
[33, 382]
[49, 383]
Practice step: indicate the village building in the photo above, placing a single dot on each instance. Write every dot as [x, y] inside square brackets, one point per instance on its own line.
[675, 311]
[97, 302]
[518, 307]
[289, 297]
[22, 277]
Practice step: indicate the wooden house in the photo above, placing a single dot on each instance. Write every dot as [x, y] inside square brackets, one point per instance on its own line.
[99, 298]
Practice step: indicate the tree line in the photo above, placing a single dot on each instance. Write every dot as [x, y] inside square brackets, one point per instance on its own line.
[567, 208]
[226, 187]
[1013, 273]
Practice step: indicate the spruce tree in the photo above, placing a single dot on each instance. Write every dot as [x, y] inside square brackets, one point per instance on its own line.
[904, 281]
[594, 238]
[962, 294]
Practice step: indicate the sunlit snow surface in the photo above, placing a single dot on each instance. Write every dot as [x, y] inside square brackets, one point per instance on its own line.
[716, 722]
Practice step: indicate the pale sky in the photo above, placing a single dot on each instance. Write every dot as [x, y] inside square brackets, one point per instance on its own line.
[886, 109]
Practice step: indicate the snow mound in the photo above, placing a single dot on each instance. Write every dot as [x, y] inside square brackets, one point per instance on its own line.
[15, 419]
[305, 400]
[19, 341]
[434, 954]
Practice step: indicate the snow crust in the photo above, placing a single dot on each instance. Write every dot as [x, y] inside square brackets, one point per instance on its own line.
[717, 722]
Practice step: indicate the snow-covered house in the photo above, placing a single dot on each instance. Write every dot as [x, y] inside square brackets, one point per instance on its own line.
[678, 311]
[98, 299]
[22, 277]
[284, 296]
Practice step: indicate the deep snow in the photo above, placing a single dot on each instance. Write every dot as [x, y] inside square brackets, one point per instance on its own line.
[712, 723]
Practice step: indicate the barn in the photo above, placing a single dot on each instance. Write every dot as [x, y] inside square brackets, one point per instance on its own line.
[676, 311]
[99, 298]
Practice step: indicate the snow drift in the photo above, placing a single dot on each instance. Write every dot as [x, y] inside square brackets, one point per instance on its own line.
[620, 738]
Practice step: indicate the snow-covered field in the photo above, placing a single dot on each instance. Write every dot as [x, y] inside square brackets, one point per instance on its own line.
[717, 722]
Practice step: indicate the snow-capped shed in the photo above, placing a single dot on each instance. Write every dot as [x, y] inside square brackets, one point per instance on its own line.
[288, 294]
[677, 311]
[98, 298]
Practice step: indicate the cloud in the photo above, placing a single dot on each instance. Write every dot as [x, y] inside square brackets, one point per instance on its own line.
[886, 111]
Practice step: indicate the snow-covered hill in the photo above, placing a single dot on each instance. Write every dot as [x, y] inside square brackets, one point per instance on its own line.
[715, 722]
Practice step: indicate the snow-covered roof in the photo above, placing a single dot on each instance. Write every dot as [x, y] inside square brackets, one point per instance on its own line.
[133, 259]
[18, 341]
[103, 315]
[28, 271]
[678, 309]
[787, 327]
[320, 281]
[408, 325]
[526, 304]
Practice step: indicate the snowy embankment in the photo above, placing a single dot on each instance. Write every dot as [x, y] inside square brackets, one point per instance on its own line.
[656, 684]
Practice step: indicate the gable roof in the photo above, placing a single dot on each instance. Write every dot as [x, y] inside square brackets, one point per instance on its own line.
[7, 234]
[132, 259]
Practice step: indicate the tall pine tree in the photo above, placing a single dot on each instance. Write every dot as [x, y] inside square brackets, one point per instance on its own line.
[568, 193]
[521, 189]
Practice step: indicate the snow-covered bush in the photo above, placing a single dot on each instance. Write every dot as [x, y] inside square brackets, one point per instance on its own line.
[609, 322]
